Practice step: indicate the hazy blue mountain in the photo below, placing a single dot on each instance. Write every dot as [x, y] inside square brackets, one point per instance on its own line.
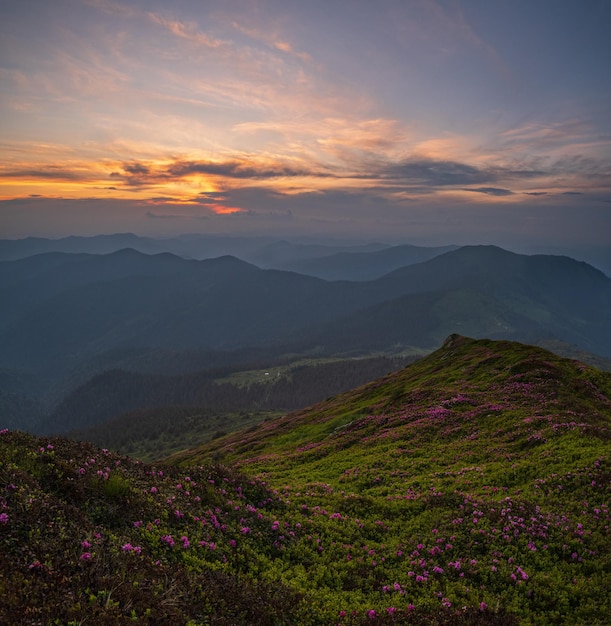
[597, 256]
[292, 256]
[66, 317]
[366, 265]
[27, 282]
[13, 249]
[487, 291]
[78, 306]
[269, 252]
[266, 252]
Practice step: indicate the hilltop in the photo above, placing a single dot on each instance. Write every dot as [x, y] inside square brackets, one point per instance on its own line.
[470, 487]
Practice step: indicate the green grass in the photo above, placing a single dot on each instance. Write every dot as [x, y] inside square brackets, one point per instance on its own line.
[471, 487]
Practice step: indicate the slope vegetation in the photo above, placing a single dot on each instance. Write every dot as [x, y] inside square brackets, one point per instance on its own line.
[484, 468]
[471, 487]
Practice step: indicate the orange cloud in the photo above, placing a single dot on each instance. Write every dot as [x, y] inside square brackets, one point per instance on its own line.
[219, 209]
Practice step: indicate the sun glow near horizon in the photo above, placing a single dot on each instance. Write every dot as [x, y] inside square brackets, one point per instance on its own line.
[364, 118]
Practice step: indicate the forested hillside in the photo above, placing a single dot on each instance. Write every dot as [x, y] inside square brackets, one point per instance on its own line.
[150, 417]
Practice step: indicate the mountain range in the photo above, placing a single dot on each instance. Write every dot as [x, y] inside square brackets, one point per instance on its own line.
[66, 315]
[331, 259]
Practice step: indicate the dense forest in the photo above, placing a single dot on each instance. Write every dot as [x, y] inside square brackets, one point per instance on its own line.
[148, 416]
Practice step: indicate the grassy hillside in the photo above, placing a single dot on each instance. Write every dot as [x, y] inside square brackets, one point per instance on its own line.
[471, 487]
[490, 456]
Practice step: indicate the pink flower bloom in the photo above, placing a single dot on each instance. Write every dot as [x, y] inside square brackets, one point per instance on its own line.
[3, 518]
[85, 544]
[371, 614]
[85, 556]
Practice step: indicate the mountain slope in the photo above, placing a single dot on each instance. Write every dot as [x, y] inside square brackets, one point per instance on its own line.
[512, 296]
[471, 487]
[114, 392]
[469, 393]
[484, 466]
[367, 265]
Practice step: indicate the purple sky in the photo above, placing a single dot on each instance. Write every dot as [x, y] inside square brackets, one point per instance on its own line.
[424, 121]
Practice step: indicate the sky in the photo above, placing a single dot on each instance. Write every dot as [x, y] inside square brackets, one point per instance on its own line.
[421, 121]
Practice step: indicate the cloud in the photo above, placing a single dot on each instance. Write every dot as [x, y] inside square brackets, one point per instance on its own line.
[535, 193]
[136, 168]
[540, 136]
[238, 169]
[46, 173]
[174, 216]
[211, 197]
[436, 173]
[120, 9]
[272, 40]
[491, 191]
[186, 30]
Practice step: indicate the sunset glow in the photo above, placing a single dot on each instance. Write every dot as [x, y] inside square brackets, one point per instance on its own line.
[363, 118]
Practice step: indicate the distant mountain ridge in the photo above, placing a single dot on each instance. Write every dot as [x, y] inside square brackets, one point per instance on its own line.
[329, 259]
[90, 303]
[62, 312]
[369, 265]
